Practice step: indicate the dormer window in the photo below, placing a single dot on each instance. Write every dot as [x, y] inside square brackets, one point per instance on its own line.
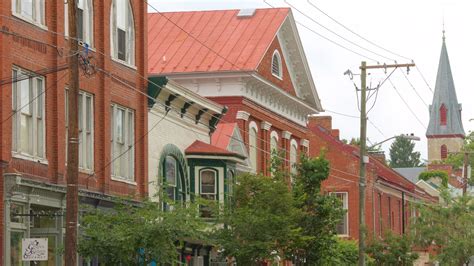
[443, 115]
[276, 65]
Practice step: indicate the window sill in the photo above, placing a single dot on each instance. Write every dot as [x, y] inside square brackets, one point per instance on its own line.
[28, 157]
[29, 21]
[124, 63]
[85, 171]
[278, 77]
[343, 236]
[120, 179]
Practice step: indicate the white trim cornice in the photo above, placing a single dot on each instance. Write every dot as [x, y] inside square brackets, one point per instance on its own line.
[242, 115]
[265, 125]
[286, 134]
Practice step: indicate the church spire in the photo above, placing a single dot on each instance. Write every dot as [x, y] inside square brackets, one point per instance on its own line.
[445, 111]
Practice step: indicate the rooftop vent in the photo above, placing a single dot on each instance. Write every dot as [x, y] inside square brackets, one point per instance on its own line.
[246, 12]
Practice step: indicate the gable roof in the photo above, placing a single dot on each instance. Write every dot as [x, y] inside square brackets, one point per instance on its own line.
[241, 42]
[200, 148]
[445, 94]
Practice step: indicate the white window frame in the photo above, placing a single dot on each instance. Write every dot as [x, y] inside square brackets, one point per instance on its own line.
[345, 206]
[253, 145]
[277, 65]
[37, 16]
[293, 156]
[123, 151]
[129, 30]
[36, 150]
[214, 195]
[176, 176]
[86, 133]
[87, 7]
[273, 141]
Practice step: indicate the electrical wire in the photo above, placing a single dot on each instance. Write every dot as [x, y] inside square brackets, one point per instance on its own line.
[413, 87]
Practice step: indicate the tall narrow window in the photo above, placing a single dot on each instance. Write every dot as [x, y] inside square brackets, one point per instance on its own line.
[122, 31]
[343, 227]
[171, 173]
[293, 157]
[28, 119]
[276, 64]
[443, 112]
[253, 145]
[444, 152]
[122, 143]
[85, 21]
[86, 129]
[30, 10]
[208, 190]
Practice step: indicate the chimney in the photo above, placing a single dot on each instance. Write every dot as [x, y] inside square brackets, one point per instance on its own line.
[379, 156]
[335, 133]
[323, 121]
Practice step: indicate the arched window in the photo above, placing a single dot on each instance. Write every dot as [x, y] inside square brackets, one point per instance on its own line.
[293, 156]
[253, 136]
[122, 31]
[276, 64]
[171, 176]
[273, 142]
[85, 19]
[443, 115]
[444, 152]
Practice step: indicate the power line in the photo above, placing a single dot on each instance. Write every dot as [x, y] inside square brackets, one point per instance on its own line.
[356, 34]
[333, 32]
[413, 87]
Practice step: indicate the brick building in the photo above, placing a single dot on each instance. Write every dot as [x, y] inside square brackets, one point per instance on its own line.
[251, 61]
[389, 196]
[33, 111]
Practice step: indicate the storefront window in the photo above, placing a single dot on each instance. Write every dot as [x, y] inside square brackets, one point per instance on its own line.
[44, 217]
[17, 212]
[15, 247]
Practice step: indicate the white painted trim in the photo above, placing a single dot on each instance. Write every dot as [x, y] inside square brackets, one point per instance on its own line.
[265, 125]
[274, 134]
[184, 92]
[280, 65]
[304, 143]
[286, 134]
[345, 206]
[293, 142]
[253, 125]
[123, 180]
[242, 115]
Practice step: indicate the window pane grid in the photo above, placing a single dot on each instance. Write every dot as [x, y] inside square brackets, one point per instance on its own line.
[122, 142]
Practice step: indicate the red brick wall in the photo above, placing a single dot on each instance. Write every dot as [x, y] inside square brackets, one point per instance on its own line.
[34, 56]
[258, 114]
[265, 66]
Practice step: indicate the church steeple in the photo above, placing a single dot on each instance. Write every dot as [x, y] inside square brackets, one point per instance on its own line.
[445, 129]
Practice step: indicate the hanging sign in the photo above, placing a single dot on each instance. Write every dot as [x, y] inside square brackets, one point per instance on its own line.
[34, 249]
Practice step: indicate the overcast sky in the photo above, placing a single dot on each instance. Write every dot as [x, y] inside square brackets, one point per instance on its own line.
[410, 28]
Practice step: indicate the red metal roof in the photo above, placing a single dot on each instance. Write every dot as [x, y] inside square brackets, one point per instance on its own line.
[223, 134]
[203, 41]
[200, 148]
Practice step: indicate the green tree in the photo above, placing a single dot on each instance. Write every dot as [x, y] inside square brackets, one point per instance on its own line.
[449, 227]
[356, 142]
[457, 159]
[392, 250]
[131, 234]
[261, 224]
[320, 214]
[402, 154]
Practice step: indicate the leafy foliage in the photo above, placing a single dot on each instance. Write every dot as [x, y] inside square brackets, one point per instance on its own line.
[262, 222]
[392, 250]
[129, 234]
[457, 159]
[402, 154]
[450, 227]
[356, 142]
[320, 214]
[427, 175]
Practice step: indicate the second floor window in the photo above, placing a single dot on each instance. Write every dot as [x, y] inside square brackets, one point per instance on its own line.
[85, 19]
[30, 10]
[122, 32]
[122, 142]
[29, 115]
[86, 129]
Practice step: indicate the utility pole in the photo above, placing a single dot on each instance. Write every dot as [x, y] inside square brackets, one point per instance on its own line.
[72, 194]
[363, 158]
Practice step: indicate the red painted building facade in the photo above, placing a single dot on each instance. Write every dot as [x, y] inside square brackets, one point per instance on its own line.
[33, 107]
